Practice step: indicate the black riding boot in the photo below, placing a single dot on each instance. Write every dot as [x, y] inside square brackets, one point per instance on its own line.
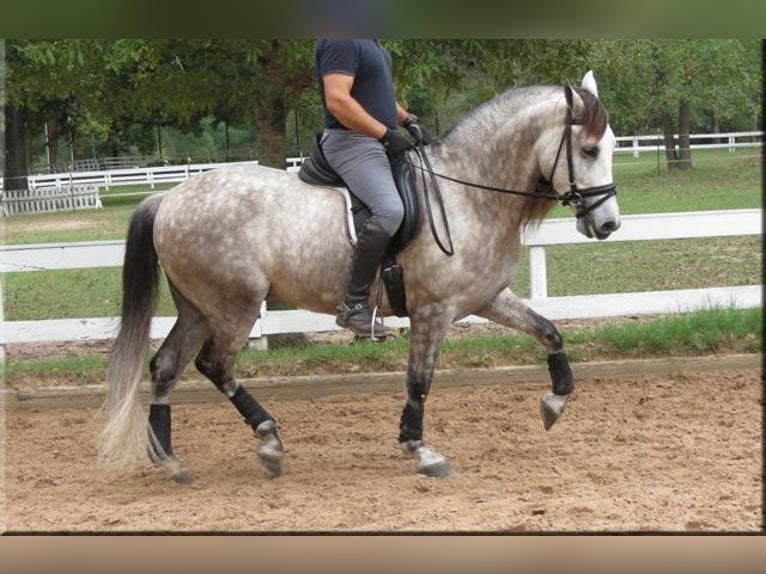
[353, 312]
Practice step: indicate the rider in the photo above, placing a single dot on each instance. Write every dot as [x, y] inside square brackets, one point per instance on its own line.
[361, 119]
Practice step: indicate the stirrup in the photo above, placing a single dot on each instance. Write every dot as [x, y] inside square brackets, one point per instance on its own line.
[366, 324]
[385, 331]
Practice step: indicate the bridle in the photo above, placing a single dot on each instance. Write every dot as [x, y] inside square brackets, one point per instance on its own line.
[575, 197]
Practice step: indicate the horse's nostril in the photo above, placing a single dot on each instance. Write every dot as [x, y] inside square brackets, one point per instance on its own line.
[610, 226]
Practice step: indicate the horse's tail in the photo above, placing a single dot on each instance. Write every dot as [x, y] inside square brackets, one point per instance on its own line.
[126, 437]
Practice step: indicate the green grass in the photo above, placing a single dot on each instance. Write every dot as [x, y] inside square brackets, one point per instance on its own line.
[108, 223]
[719, 180]
[709, 331]
[648, 266]
[79, 293]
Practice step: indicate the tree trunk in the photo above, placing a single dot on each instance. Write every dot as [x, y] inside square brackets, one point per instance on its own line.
[671, 154]
[271, 142]
[52, 138]
[271, 139]
[684, 141]
[716, 128]
[16, 149]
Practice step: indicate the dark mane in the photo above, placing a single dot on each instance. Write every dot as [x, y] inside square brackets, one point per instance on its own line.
[594, 116]
[594, 119]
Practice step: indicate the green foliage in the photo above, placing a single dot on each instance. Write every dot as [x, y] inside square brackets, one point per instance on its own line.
[110, 96]
[642, 79]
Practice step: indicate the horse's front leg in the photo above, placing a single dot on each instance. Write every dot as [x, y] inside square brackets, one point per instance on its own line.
[428, 328]
[507, 309]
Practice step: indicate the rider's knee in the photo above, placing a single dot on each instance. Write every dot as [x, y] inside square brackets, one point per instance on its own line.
[391, 217]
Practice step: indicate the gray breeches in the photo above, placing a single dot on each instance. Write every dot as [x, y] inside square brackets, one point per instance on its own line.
[362, 163]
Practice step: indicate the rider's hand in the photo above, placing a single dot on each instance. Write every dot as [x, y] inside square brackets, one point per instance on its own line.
[416, 130]
[395, 143]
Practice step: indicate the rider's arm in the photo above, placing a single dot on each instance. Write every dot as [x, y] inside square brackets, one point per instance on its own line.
[340, 103]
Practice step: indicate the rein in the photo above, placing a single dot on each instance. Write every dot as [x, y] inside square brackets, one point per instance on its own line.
[421, 153]
[574, 197]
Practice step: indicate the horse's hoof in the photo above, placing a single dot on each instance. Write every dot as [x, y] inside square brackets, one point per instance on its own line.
[182, 477]
[178, 472]
[430, 462]
[436, 470]
[551, 408]
[274, 466]
[270, 450]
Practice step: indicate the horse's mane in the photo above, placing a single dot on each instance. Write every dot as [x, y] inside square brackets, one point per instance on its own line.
[594, 116]
[593, 119]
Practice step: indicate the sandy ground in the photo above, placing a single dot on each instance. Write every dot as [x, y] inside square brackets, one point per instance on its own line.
[679, 452]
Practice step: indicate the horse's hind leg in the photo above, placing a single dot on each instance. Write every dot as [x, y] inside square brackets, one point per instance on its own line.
[183, 341]
[216, 361]
[428, 327]
[507, 309]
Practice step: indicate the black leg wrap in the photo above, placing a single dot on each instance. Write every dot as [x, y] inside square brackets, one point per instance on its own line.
[249, 408]
[411, 425]
[561, 374]
[159, 421]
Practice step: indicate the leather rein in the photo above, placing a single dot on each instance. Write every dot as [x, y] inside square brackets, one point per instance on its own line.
[574, 197]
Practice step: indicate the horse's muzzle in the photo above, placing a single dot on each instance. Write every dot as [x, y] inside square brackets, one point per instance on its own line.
[587, 227]
[607, 228]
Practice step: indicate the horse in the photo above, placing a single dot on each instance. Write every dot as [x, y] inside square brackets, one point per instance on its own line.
[229, 237]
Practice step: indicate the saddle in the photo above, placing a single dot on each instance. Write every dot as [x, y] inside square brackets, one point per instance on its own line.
[315, 170]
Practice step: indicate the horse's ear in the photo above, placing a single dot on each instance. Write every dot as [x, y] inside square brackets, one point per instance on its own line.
[589, 83]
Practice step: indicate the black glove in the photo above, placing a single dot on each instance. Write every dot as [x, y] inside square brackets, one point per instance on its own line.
[395, 143]
[416, 130]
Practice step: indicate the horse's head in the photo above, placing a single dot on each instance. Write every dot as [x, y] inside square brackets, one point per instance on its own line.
[583, 162]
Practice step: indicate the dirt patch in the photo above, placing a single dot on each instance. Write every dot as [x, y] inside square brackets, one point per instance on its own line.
[635, 452]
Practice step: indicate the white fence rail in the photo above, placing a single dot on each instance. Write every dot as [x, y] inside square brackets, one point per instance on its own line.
[126, 176]
[552, 232]
[49, 200]
[729, 140]
[151, 175]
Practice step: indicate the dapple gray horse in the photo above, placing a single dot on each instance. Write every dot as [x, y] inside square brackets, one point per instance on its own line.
[227, 238]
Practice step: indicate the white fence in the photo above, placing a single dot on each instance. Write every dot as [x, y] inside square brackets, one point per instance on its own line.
[551, 232]
[127, 176]
[49, 200]
[654, 143]
[151, 175]
[80, 189]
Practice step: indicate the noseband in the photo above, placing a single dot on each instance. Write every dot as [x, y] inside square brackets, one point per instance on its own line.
[575, 197]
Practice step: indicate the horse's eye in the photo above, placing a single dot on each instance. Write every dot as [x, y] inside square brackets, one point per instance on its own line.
[590, 152]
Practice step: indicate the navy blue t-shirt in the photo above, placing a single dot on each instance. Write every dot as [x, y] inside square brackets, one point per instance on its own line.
[370, 65]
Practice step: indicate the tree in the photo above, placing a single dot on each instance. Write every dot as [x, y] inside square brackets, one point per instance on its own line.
[671, 85]
[121, 93]
[49, 82]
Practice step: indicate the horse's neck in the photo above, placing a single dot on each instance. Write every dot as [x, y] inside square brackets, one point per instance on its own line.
[497, 147]
[499, 154]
